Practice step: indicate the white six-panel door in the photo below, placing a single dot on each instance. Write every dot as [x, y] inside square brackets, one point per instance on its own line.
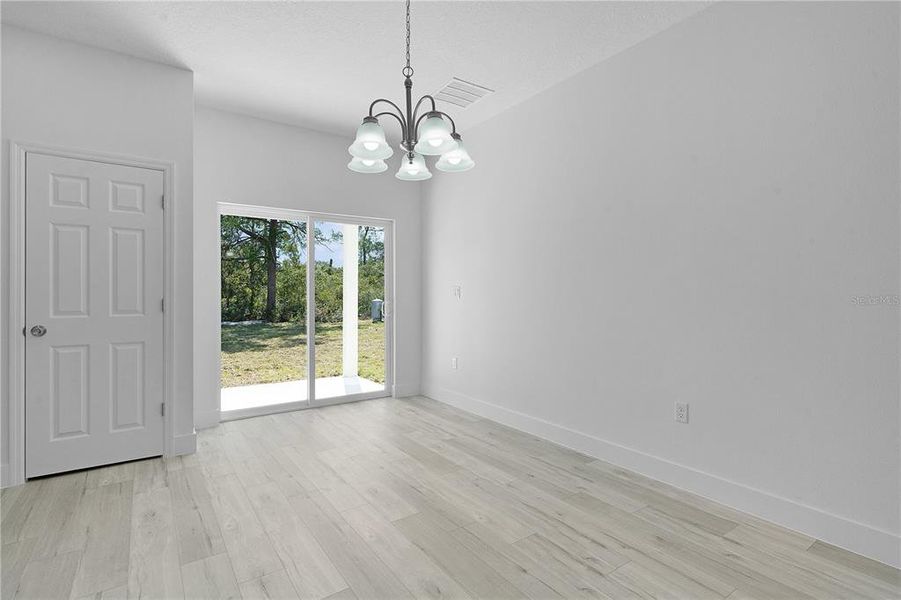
[93, 313]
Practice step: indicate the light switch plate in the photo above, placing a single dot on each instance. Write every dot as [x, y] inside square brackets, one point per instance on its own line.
[682, 412]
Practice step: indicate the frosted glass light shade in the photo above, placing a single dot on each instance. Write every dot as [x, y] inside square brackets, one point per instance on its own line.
[415, 170]
[367, 165]
[370, 142]
[455, 161]
[434, 136]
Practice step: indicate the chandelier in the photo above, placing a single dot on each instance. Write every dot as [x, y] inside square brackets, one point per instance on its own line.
[433, 133]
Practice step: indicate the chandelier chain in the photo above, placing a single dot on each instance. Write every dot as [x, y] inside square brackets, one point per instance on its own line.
[408, 34]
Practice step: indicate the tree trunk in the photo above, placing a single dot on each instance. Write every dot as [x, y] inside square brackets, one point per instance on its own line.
[271, 268]
[251, 312]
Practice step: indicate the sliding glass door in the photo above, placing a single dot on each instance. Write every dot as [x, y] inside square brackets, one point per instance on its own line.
[305, 307]
[349, 319]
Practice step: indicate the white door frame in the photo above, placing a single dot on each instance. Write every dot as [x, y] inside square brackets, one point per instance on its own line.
[306, 216]
[15, 474]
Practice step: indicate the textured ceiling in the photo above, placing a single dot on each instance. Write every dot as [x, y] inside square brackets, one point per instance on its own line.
[318, 64]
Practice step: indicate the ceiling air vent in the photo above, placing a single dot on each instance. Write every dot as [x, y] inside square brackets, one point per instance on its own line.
[462, 93]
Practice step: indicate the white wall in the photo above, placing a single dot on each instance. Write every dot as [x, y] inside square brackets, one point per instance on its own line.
[69, 95]
[689, 221]
[245, 160]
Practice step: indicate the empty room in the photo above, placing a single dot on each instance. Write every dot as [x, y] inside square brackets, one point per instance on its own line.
[384, 299]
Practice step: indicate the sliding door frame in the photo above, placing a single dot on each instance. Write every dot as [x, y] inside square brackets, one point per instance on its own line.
[310, 218]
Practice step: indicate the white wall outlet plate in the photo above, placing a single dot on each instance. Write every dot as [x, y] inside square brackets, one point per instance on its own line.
[682, 412]
[454, 362]
[458, 291]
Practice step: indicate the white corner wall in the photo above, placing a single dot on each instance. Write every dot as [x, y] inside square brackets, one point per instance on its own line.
[691, 221]
[245, 160]
[69, 95]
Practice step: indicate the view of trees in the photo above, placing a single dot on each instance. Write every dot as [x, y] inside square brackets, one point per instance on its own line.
[264, 271]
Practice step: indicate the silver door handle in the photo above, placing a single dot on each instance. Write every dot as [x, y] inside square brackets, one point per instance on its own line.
[38, 330]
[385, 313]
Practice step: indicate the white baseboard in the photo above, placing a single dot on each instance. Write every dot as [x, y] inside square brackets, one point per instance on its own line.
[860, 538]
[184, 444]
[206, 419]
[404, 390]
[4, 475]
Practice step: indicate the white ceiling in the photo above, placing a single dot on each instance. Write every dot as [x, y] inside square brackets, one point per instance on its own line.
[318, 64]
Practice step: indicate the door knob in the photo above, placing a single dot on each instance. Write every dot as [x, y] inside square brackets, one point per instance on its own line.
[38, 330]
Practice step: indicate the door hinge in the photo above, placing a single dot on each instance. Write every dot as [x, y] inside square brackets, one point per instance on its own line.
[163, 409]
[163, 202]
[163, 304]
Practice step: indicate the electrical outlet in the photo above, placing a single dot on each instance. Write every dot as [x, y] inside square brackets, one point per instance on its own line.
[458, 292]
[454, 362]
[682, 412]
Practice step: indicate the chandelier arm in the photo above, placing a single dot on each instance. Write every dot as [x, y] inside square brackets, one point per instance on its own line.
[403, 125]
[416, 110]
[416, 128]
[449, 118]
[374, 102]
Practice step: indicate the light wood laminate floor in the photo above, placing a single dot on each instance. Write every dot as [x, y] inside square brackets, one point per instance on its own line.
[398, 499]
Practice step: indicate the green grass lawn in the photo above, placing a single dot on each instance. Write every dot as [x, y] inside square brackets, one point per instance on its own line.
[275, 352]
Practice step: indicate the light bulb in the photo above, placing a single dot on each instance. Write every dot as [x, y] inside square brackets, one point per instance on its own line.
[434, 135]
[367, 165]
[370, 142]
[413, 168]
[456, 160]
